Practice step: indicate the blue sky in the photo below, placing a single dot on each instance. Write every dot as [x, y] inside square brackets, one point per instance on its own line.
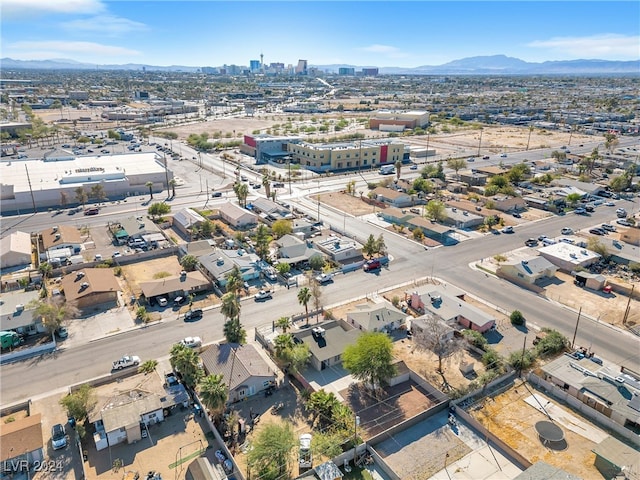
[363, 33]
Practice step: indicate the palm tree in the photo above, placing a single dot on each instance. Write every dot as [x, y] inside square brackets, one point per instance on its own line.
[282, 343]
[398, 166]
[185, 361]
[230, 308]
[234, 280]
[304, 296]
[283, 323]
[214, 393]
[266, 183]
[149, 185]
[242, 192]
[172, 184]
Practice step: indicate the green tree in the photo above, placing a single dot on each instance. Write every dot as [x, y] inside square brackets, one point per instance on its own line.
[214, 393]
[242, 192]
[230, 308]
[81, 196]
[553, 342]
[53, 312]
[573, 199]
[283, 268]
[595, 245]
[149, 366]
[262, 241]
[266, 183]
[142, 314]
[322, 405]
[418, 234]
[189, 262]
[270, 457]
[298, 357]
[149, 185]
[435, 210]
[316, 261]
[490, 221]
[206, 229]
[234, 281]
[456, 164]
[304, 296]
[611, 141]
[45, 269]
[518, 172]
[282, 343]
[521, 360]
[380, 246]
[369, 247]
[113, 134]
[158, 209]
[370, 359]
[78, 404]
[172, 183]
[491, 359]
[283, 323]
[516, 317]
[185, 361]
[621, 182]
[435, 338]
[281, 228]
[97, 192]
[398, 166]
[234, 332]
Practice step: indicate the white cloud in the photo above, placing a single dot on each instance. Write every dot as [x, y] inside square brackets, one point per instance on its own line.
[29, 8]
[105, 24]
[385, 50]
[55, 48]
[606, 46]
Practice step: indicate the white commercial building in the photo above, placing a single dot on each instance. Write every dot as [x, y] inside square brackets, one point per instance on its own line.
[51, 182]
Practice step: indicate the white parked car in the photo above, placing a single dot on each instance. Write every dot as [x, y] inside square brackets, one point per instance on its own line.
[126, 361]
[191, 342]
[324, 278]
[263, 295]
[566, 231]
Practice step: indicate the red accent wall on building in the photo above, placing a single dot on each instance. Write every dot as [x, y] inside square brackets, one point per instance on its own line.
[249, 140]
[383, 153]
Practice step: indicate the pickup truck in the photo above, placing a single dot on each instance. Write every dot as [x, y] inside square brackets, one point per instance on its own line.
[263, 295]
[324, 278]
[126, 361]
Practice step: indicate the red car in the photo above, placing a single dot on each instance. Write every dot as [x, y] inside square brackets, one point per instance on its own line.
[373, 264]
[91, 211]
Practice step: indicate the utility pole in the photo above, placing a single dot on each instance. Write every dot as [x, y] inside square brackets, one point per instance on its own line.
[356, 422]
[576, 330]
[628, 309]
[33, 200]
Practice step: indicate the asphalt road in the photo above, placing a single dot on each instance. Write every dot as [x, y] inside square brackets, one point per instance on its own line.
[410, 261]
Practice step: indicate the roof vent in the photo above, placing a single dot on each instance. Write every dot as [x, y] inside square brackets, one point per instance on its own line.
[57, 236]
[525, 262]
[55, 229]
[19, 307]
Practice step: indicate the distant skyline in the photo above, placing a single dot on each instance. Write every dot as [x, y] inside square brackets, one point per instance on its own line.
[363, 33]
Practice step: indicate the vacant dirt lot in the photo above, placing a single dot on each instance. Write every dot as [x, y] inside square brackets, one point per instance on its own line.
[512, 419]
[145, 271]
[347, 203]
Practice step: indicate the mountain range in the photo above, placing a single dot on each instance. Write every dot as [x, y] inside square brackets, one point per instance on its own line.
[483, 65]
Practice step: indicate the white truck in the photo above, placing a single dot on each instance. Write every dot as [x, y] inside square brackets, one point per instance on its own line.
[387, 170]
[263, 295]
[126, 361]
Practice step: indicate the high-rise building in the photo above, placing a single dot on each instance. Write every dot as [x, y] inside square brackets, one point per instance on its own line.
[369, 72]
[346, 71]
[301, 68]
[254, 65]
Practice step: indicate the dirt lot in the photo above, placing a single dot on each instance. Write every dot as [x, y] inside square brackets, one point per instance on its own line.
[512, 419]
[145, 271]
[608, 308]
[347, 203]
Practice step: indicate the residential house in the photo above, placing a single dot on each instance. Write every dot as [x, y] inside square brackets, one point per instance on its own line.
[473, 178]
[391, 197]
[600, 385]
[237, 217]
[17, 314]
[338, 249]
[294, 251]
[15, 250]
[197, 248]
[527, 271]
[631, 236]
[568, 257]
[506, 203]
[376, 316]
[326, 342]
[435, 231]
[21, 441]
[218, 264]
[615, 459]
[449, 305]
[61, 237]
[270, 211]
[176, 286]
[91, 287]
[123, 409]
[430, 324]
[132, 227]
[462, 218]
[187, 219]
[303, 226]
[243, 369]
[490, 170]
[586, 187]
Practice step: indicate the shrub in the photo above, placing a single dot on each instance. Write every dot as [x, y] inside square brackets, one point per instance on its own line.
[491, 359]
[521, 362]
[516, 317]
[475, 338]
[553, 342]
